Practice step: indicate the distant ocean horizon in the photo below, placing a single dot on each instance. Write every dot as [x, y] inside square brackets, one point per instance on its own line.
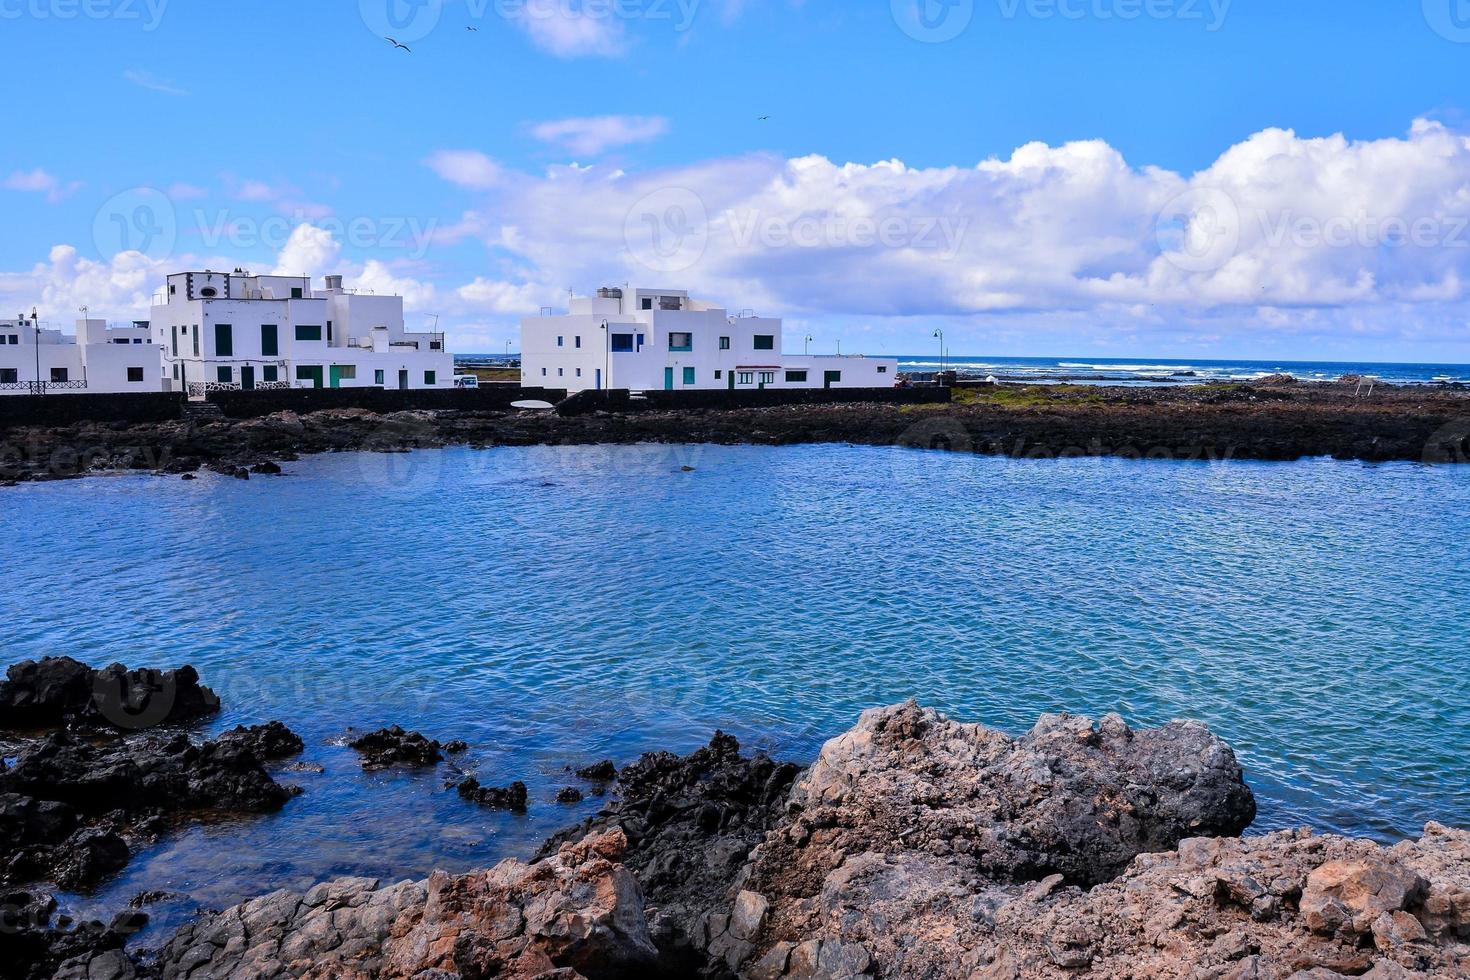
[1159, 370]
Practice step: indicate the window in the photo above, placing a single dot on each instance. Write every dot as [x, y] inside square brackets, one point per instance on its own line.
[719, 375]
[135, 375]
[430, 378]
[269, 373]
[378, 378]
[795, 377]
[745, 378]
[346, 372]
[640, 341]
[882, 368]
[209, 292]
[765, 341]
[308, 332]
[196, 338]
[226, 374]
[579, 342]
[561, 372]
[172, 290]
[724, 343]
[58, 375]
[9, 376]
[579, 372]
[176, 372]
[329, 331]
[689, 376]
[561, 341]
[768, 377]
[622, 343]
[681, 342]
[124, 340]
[648, 302]
[174, 332]
[270, 343]
[543, 372]
[224, 340]
[295, 292]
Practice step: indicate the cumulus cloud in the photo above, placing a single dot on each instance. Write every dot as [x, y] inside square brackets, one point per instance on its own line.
[39, 181]
[591, 135]
[569, 31]
[466, 168]
[1278, 220]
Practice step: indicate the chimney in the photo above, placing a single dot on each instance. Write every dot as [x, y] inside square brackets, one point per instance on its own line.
[334, 282]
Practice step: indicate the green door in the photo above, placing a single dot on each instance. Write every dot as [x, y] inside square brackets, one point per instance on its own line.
[732, 380]
[247, 378]
[830, 378]
[310, 372]
[336, 375]
[668, 379]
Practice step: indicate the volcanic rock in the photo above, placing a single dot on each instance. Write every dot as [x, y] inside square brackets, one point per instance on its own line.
[512, 797]
[269, 742]
[57, 691]
[396, 747]
[576, 914]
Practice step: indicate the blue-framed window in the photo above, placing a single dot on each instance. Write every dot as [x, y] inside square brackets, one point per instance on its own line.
[622, 343]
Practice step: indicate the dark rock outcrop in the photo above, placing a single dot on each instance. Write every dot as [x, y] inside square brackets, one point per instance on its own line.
[690, 822]
[66, 801]
[59, 691]
[393, 746]
[512, 797]
[269, 742]
[33, 946]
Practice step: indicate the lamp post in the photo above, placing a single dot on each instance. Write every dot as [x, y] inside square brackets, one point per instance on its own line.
[806, 343]
[939, 334]
[36, 336]
[606, 359]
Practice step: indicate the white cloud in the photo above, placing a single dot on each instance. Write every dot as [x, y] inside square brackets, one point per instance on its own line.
[467, 168]
[591, 135]
[284, 198]
[559, 28]
[310, 251]
[144, 79]
[38, 181]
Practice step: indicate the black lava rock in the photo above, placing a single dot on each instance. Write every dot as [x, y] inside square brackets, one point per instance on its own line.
[60, 691]
[396, 747]
[512, 797]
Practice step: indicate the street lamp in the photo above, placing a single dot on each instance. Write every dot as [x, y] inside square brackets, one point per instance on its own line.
[939, 334]
[36, 336]
[806, 342]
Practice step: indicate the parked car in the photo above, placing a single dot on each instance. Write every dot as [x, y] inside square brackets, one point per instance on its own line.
[466, 381]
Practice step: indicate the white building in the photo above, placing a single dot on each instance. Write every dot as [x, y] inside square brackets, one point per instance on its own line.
[221, 330]
[660, 339]
[97, 358]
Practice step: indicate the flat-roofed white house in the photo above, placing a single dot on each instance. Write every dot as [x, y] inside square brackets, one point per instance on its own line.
[98, 358]
[661, 339]
[234, 330]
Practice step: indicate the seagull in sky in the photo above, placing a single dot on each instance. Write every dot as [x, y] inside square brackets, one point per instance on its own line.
[396, 44]
[762, 118]
[475, 29]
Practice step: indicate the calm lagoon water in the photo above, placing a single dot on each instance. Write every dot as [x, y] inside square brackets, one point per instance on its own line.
[553, 606]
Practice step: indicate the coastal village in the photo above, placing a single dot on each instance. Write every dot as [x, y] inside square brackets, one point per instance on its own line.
[234, 331]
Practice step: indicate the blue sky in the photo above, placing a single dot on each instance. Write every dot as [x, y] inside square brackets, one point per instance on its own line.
[447, 173]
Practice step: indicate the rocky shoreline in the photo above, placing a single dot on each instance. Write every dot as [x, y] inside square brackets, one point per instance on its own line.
[1273, 419]
[913, 846]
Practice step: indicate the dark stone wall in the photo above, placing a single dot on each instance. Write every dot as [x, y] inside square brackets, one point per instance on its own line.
[620, 401]
[68, 408]
[250, 404]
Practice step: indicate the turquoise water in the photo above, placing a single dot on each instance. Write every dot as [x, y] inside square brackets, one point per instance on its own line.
[553, 606]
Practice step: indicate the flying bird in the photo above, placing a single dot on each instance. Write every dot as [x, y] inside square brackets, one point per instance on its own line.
[762, 118]
[475, 29]
[396, 44]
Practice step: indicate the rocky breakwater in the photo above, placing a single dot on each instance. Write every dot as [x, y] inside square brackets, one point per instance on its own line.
[95, 764]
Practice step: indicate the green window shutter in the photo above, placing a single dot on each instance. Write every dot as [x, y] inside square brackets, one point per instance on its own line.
[224, 340]
[270, 344]
[430, 378]
[226, 374]
[268, 373]
[689, 376]
[377, 377]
